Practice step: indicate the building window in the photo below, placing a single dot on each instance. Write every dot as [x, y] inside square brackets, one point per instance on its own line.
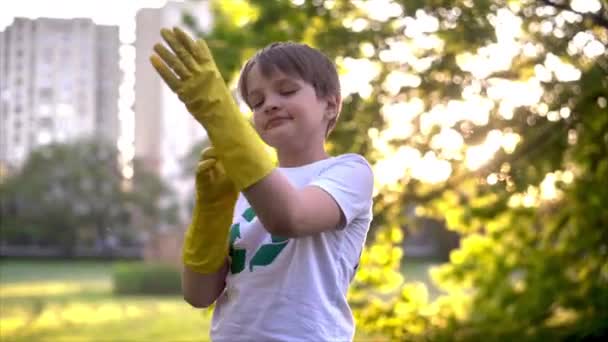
[45, 123]
[46, 93]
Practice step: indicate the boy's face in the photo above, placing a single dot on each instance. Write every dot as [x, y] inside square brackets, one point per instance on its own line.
[286, 110]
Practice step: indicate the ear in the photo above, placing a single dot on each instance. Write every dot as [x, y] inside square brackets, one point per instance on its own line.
[334, 104]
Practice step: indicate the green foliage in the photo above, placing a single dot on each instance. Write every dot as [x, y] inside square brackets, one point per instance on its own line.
[530, 266]
[73, 195]
[146, 279]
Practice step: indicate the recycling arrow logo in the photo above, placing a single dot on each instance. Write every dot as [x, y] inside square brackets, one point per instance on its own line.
[264, 256]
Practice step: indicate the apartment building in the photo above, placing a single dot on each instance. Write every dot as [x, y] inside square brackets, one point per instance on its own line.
[59, 81]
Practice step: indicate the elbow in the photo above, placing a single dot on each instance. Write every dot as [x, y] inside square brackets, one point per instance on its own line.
[287, 227]
[281, 230]
[202, 290]
[199, 297]
[198, 302]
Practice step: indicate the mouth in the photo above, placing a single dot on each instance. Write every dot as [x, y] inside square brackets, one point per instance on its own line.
[275, 122]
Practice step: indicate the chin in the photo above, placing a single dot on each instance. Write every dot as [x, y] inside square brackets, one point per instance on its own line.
[273, 141]
[277, 138]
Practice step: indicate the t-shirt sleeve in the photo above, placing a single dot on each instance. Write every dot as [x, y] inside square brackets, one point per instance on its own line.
[350, 182]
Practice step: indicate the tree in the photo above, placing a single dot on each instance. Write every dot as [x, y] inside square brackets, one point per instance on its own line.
[487, 114]
[69, 195]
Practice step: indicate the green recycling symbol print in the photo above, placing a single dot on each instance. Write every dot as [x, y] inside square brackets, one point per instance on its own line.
[264, 256]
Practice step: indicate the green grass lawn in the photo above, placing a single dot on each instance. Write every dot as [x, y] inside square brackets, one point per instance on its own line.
[73, 301]
[60, 301]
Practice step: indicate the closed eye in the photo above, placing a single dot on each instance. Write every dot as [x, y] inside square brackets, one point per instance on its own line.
[257, 104]
[288, 92]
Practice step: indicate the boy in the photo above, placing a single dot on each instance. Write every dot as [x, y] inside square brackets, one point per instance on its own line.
[278, 260]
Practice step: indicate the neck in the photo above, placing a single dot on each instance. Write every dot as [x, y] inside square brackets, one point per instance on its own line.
[295, 157]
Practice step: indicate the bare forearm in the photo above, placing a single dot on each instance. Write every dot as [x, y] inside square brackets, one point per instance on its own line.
[201, 290]
[290, 212]
[272, 199]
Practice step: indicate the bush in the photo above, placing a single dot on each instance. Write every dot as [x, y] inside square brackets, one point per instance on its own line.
[146, 279]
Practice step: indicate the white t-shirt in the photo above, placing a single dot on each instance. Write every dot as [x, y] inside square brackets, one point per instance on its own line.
[295, 289]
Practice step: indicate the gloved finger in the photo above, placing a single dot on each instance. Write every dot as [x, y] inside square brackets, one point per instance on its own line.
[219, 166]
[204, 50]
[205, 166]
[208, 153]
[180, 50]
[164, 72]
[172, 61]
[191, 46]
[215, 173]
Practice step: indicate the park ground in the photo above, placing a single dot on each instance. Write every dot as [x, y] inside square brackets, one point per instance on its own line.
[73, 301]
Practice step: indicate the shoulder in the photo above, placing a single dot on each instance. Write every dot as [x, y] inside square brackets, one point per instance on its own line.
[351, 171]
[349, 158]
[352, 157]
[353, 163]
[349, 179]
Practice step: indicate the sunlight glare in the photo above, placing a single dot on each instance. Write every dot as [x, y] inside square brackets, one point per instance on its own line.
[397, 79]
[548, 190]
[421, 24]
[431, 169]
[496, 56]
[479, 155]
[392, 169]
[507, 26]
[563, 71]
[475, 109]
[356, 76]
[586, 43]
[449, 141]
[367, 49]
[586, 6]
[513, 94]
[510, 141]
[594, 49]
[379, 10]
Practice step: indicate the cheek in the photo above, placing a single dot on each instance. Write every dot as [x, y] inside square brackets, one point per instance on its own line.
[257, 122]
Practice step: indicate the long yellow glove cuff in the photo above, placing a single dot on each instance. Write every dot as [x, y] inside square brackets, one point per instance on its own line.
[205, 245]
[206, 242]
[191, 72]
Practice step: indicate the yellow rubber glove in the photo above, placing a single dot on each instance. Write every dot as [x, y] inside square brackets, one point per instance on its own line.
[190, 71]
[206, 243]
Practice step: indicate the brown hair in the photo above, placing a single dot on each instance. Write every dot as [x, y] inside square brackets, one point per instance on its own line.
[295, 60]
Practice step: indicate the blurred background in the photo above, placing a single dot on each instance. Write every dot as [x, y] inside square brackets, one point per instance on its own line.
[486, 123]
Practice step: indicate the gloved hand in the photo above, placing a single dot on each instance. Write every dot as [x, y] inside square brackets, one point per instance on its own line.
[190, 71]
[206, 243]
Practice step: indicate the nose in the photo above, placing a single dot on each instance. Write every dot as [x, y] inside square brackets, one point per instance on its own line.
[271, 104]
